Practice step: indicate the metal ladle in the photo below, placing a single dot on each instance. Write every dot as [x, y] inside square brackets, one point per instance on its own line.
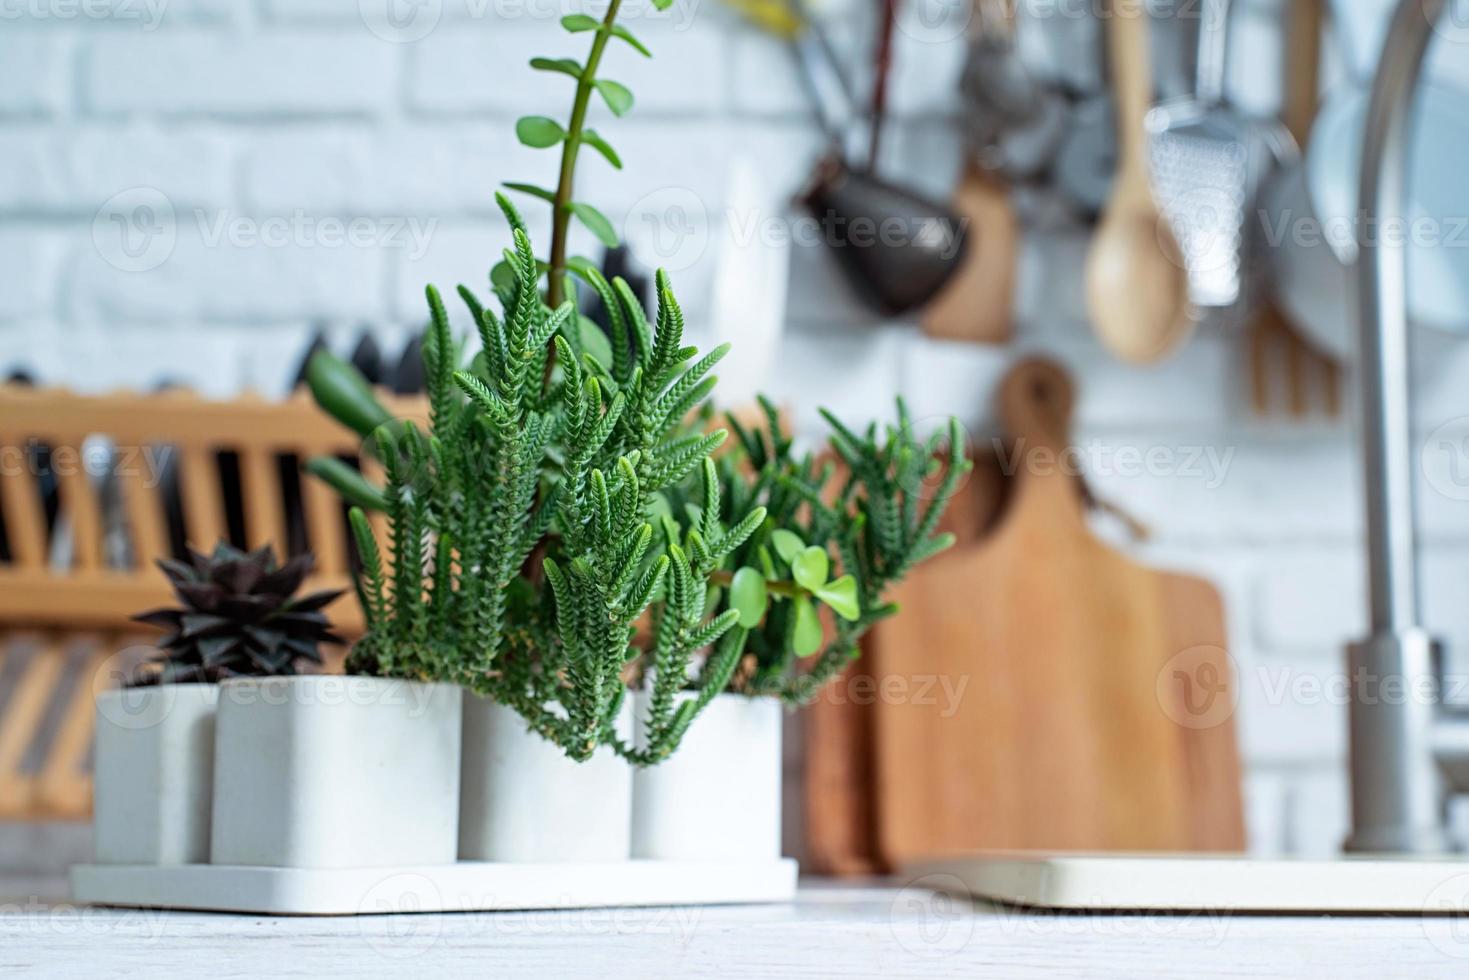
[897, 248]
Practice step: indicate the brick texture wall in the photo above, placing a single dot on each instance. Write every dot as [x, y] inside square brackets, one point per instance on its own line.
[190, 188]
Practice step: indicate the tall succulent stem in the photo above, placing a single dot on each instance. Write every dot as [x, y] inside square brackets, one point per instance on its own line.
[561, 213]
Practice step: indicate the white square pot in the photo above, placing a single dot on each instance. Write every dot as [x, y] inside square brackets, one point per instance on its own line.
[522, 799]
[154, 760]
[717, 798]
[336, 772]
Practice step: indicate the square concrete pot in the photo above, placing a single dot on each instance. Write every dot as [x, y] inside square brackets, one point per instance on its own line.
[154, 760]
[717, 798]
[336, 772]
[522, 799]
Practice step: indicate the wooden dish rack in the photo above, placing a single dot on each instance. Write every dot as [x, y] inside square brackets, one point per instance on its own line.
[66, 597]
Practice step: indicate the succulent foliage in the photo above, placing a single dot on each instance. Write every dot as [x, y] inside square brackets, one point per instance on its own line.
[569, 520]
[238, 617]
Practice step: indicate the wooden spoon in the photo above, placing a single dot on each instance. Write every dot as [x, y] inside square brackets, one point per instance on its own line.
[1136, 284]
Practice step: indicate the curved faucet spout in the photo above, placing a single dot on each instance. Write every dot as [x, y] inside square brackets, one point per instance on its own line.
[1382, 315]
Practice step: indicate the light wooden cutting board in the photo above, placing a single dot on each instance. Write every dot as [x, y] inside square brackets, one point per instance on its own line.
[1039, 690]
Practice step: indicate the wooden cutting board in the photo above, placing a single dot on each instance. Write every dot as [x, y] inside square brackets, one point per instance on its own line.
[1039, 690]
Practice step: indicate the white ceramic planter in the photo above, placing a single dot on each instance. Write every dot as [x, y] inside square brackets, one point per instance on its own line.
[524, 800]
[154, 759]
[336, 772]
[718, 797]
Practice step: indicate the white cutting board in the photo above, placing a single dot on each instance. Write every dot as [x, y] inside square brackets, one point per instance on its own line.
[1194, 883]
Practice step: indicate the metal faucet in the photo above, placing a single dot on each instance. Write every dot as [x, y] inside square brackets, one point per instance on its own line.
[1409, 750]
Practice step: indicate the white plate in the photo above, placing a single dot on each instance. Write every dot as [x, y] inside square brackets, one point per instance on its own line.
[464, 887]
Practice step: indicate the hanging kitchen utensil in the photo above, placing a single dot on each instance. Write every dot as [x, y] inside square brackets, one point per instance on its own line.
[1060, 695]
[1013, 123]
[1137, 287]
[977, 304]
[1279, 358]
[896, 248]
[1317, 222]
[882, 63]
[1207, 166]
[1086, 160]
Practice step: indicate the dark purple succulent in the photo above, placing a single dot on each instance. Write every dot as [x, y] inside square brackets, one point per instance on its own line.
[238, 617]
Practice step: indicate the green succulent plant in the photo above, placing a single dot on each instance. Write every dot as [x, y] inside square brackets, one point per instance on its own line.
[570, 518]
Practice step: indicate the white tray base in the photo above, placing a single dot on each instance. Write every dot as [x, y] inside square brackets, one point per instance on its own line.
[463, 887]
[1197, 882]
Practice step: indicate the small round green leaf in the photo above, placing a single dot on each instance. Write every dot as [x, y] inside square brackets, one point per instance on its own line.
[810, 568]
[841, 596]
[596, 222]
[539, 131]
[806, 638]
[594, 139]
[594, 341]
[747, 596]
[619, 31]
[566, 66]
[502, 276]
[617, 96]
[576, 23]
[787, 544]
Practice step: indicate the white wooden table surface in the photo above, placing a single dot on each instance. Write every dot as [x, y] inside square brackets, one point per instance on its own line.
[883, 930]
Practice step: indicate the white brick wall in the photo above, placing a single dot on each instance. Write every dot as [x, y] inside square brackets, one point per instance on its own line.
[261, 111]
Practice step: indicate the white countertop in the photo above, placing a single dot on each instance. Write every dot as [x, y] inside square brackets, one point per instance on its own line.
[830, 931]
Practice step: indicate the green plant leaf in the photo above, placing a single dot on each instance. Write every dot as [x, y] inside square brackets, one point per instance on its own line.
[766, 565]
[576, 23]
[662, 4]
[806, 638]
[345, 480]
[619, 31]
[539, 131]
[594, 139]
[595, 342]
[546, 195]
[344, 394]
[787, 544]
[502, 276]
[617, 96]
[580, 264]
[748, 597]
[566, 66]
[841, 596]
[810, 568]
[595, 221]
